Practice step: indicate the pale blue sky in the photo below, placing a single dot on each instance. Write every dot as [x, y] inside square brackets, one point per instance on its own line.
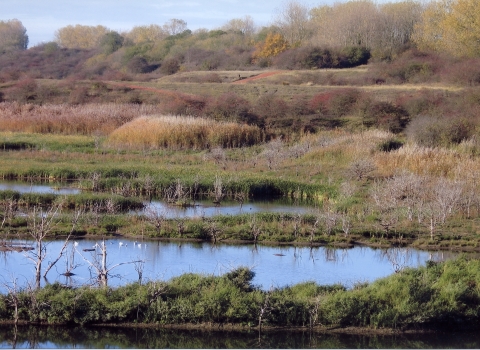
[43, 17]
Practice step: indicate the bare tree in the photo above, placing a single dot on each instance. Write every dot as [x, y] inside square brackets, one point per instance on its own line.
[314, 228]
[100, 264]
[330, 218]
[264, 310]
[40, 224]
[218, 155]
[218, 190]
[255, 228]
[360, 168]
[95, 177]
[148, 185]
[156, 218]
[398, 257]
[293, 21]
[346, 223]
[180, 225]
[245, 26]
[297, 223]
[213, 231]
[139, 267]
[9, 210]
[447, 195]
[273, 153]
[177, 194]
[175, 26]
[12, 297]
[386, 197]
[75, 218]
[240, 197]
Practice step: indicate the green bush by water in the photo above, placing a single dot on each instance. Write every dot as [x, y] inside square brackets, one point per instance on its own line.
[438, 295]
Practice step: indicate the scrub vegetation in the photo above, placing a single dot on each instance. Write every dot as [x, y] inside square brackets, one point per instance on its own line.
[440, 295]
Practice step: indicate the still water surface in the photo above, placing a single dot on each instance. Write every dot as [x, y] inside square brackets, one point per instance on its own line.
[274, 266]
[138, 338]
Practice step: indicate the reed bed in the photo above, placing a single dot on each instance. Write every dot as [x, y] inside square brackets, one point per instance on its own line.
[85, 119]
[336, 150]
[174, 132]
[424, 161]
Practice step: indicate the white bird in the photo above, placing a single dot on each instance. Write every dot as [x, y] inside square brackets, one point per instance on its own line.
[139, 245]
[75, 244]
[120, 244]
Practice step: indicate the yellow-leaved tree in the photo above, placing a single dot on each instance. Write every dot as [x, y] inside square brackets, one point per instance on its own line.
[144, 34]
[80, 36]
[452, 26]
[13, 36]
[273, 45]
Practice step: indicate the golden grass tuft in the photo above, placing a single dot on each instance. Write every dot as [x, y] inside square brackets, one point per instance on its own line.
[424, 161]
[174, 132]
[67, 119]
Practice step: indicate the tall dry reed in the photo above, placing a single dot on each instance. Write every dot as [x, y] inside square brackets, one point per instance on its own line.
[174, 132]
[68, 119]
[425, 161]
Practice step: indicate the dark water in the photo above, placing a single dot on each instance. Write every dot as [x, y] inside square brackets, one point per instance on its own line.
[102, 337]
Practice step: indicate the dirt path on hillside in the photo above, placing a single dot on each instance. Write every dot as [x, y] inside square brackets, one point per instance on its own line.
[257, 77]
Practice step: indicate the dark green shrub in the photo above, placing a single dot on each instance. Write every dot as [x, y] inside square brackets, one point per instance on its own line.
[139, 64]
[170, 66]
[353, 56]
[242, 278]
[390, 145]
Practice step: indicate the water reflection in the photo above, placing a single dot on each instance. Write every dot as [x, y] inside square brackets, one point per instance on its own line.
[37, 188]
[274, 266]
[201, 208]
[139, 338]
[206, 208]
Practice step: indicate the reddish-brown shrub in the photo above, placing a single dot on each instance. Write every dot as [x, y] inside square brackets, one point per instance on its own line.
[335, 103]
[299, 105]
[463, 72]
[270, 106]
[23, 91]
[183, 105]
[412, 66]
[422, 102]
[228, 105]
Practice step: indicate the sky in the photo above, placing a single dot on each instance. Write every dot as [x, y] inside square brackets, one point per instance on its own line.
[43, 18]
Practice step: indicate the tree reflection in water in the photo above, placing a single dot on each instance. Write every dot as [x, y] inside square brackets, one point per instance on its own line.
[119, 337]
